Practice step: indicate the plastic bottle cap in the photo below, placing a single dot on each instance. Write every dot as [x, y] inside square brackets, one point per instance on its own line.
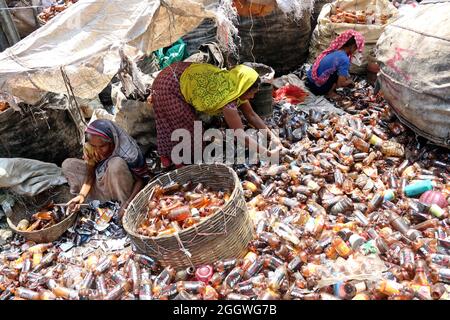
[389, 195]
[437, 211]
[204, 273]
[418, 188]
[375, 140]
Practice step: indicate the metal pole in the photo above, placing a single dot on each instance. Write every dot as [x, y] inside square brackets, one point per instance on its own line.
[8, 25]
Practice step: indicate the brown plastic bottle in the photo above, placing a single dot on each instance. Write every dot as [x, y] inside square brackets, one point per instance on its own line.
[375, 203]
[118, 291]
[277, 278]
[217, 279]
[407, 260]
[254, 268]
[421, 276]
[40, 248]
[86, 284]
[420, 246]
[300, 294]
[179, 213]
[432, 223]
[66, 293]
[361, 145]
[227, 264]
[145, 292]
[341, 247]
[101, 285]
[105, 264]
[163, 279]
[210, 293]
[271, 239]
[269, 294]
[233, 277]
[192, 287]
[46, 295]
[46, 261]
[389, 287]
[134, 274]
[437, 291]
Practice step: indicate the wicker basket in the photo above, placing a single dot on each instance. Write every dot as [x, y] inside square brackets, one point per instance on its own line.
[225, 234]
[26, 207]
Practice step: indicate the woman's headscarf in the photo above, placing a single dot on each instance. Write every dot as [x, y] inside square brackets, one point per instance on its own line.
[125, 147]
[209, 88]
[336, 44]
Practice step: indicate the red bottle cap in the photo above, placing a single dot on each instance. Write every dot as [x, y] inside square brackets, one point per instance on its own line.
[204, 273]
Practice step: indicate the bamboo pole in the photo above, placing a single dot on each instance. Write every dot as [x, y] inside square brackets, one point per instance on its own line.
[8, 26]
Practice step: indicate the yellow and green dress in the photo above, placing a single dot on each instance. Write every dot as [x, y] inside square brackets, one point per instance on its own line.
[183, 88]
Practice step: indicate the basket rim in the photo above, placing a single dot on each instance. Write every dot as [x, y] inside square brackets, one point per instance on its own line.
[38, 232]
[196, 226]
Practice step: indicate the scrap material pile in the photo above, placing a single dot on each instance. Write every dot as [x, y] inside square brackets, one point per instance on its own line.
[357, 209]
[49, 13]
[359, 17]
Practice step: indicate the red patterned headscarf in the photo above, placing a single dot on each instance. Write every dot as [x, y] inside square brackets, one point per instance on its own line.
[336, 44]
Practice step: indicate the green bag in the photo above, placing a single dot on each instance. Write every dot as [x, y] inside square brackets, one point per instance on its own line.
[168, 55]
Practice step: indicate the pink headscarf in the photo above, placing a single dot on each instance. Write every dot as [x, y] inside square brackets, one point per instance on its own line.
[336, 44]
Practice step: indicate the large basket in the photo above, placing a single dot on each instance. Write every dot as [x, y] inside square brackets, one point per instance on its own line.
[225, 234]
[26, 207]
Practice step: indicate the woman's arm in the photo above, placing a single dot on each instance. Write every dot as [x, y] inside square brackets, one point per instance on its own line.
[234, 121]
[255, 120]
[74, 204]
[343, 82]
[252, 117]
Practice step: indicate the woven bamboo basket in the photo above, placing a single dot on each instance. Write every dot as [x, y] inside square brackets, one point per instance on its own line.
[225, 234]
[27, 207]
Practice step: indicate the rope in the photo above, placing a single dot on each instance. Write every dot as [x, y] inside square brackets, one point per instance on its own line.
[251, 35]
[74, 111]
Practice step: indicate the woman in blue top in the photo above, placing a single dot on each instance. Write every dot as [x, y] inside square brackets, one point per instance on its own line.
[330, 70]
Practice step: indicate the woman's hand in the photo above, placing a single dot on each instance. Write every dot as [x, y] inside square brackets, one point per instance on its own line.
[74, 204]
[122, 210]
[275, 142]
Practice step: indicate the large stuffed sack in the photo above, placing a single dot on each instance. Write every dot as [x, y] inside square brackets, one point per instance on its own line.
[318, 5]
[29, 177]
[135, 117]
[326, 30]
[204, 33]
[47, 131]
[277, 40]
[414, 55]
